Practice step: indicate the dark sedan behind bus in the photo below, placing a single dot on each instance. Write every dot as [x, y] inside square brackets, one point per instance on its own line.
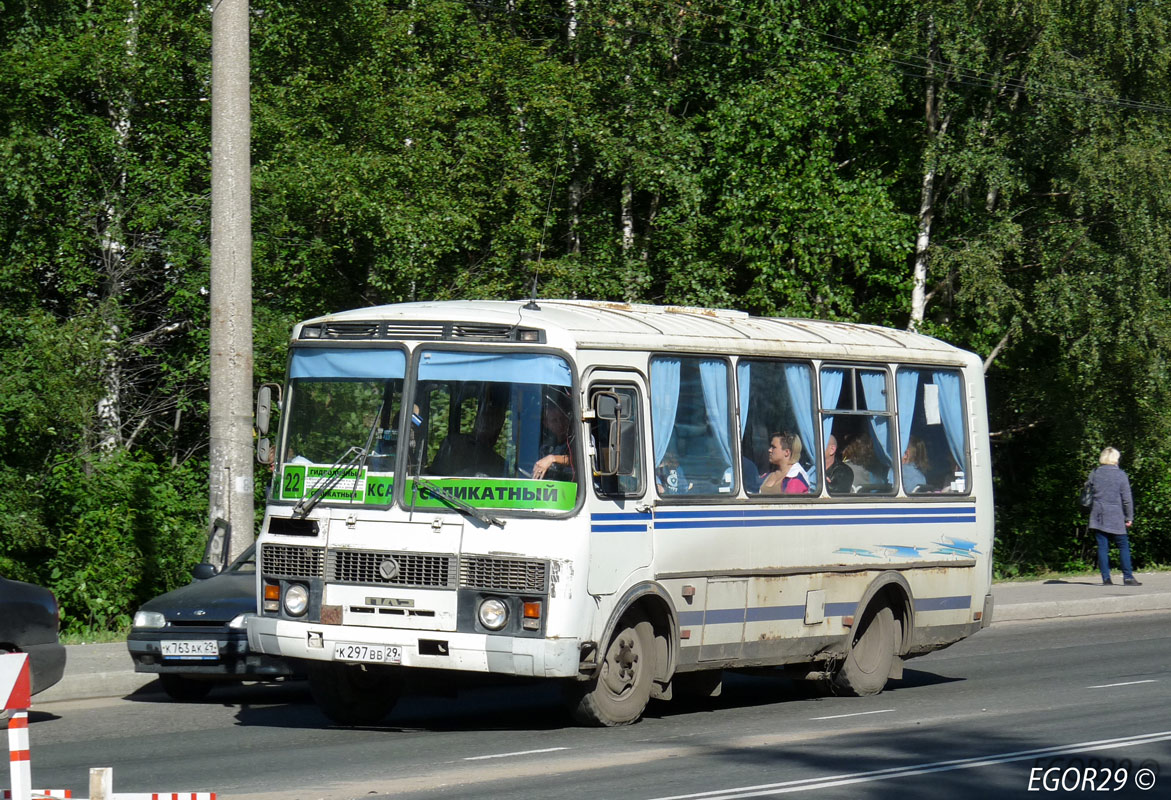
[194, 636]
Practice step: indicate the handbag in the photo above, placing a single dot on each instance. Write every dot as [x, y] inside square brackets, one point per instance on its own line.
[1086, 498]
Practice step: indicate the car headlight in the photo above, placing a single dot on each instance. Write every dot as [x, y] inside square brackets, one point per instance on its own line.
[237, 622]
[493, 614]
[149, 619]
[296, 599]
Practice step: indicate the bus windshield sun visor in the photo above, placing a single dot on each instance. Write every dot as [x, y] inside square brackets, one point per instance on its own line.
[439, 365]
[337, 362]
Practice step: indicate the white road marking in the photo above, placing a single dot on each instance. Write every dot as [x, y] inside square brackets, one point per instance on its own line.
[520, 753]
[856, 714]
[1128, 683]
[830, 781]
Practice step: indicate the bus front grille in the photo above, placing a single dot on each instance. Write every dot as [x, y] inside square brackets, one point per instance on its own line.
[291, 561]
[503, 574]
[425, 570]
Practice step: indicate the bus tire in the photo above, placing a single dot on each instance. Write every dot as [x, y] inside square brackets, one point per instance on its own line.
[353, 695]
[870, 656]
[619, 692]
[184, 690]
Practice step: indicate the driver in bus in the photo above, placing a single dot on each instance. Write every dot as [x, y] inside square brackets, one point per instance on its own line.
[555, 463]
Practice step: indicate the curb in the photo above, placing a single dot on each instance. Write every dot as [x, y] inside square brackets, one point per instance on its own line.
[1055, 609]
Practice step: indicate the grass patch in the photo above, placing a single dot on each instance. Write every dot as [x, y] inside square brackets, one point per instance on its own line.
[93, 637]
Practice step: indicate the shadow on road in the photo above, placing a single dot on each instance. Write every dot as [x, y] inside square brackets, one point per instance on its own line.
[539, 706]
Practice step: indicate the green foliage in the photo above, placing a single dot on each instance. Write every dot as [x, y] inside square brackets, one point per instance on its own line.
[766, 155]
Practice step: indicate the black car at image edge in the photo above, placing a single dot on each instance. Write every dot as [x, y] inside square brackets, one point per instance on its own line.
[29, 620]
[194, 636]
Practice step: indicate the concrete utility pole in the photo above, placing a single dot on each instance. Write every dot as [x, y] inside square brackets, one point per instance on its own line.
[231, 275]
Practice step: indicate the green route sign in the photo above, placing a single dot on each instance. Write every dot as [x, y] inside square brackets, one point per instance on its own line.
[372, 488]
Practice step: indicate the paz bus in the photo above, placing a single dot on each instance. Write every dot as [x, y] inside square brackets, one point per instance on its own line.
[628, 499]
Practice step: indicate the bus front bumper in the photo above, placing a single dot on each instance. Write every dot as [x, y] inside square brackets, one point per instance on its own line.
[471, 652]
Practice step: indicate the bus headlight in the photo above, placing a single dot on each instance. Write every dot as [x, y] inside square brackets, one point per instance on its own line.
[493, 614]
[296, 599]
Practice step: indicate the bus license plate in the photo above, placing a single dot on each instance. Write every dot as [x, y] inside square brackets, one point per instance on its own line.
[190, 648]
[368, 654]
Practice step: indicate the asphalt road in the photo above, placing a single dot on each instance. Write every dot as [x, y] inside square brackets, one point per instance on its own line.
[983, 718]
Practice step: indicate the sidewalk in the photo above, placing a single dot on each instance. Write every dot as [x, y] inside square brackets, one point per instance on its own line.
[105, 670]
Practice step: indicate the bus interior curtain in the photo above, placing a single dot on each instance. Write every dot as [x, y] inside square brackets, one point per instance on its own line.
[873, 386]
[831, 390]
[713, 376]
[744, 386]
[799, 382]
[907, 382]
[664, 403]
[951, 411]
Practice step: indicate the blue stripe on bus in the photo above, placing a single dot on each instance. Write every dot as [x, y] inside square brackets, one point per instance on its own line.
[609, 516]
[618, 528]
[765, 523]
[729, 616]
[943, 603]
[818, 512]
[840, 609]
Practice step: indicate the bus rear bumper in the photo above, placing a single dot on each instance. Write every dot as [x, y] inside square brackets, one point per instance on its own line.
[471, 652]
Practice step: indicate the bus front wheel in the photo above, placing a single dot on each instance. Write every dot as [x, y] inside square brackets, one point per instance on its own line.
[870, 656]
[622, 687]
[351, 694]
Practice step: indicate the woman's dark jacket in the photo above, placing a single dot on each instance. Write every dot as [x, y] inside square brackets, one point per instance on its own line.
[1113, 506]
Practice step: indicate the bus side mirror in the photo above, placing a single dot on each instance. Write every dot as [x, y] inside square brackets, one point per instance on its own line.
[615, 433]
[264, 448]
[263, 408]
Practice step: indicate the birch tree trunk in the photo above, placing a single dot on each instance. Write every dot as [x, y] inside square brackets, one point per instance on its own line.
[935, 132]
[113, 249]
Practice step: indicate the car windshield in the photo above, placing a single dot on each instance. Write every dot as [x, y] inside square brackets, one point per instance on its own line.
[497, 431]
[245, 562]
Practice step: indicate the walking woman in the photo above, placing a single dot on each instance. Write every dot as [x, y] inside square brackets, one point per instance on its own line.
[1111, 514]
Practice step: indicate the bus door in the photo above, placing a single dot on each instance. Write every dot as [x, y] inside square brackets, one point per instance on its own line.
[620, 519]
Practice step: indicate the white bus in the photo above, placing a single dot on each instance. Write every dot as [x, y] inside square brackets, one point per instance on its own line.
[627, 498]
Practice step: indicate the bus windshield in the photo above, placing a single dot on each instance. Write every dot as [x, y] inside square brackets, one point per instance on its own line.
[498, 430]
[343, 424]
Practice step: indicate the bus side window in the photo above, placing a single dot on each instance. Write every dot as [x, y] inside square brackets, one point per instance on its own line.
[620, 424]
[933, 436]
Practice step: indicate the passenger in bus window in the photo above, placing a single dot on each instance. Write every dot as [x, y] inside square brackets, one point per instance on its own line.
[858, 455]
[669, 477]
[838, 475]
[787, 475]
[555, 463]
[915, 466]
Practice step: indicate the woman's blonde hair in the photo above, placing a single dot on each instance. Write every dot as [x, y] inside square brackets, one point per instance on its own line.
[1109, 456]
[790, 442]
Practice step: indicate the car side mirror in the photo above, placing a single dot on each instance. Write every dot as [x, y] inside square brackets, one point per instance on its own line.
[202, 572]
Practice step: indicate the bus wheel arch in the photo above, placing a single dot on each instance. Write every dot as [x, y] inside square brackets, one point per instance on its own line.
[879, 636]
[635, 660]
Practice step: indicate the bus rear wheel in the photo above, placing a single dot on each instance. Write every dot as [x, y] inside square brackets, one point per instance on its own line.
[870, 656]
[353, 695]
[621, 689]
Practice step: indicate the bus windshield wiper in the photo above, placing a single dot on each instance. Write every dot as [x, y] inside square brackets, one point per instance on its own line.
[336, 473]
[456, 503]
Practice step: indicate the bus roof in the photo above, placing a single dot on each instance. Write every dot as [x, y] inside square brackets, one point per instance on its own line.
[592, 324]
